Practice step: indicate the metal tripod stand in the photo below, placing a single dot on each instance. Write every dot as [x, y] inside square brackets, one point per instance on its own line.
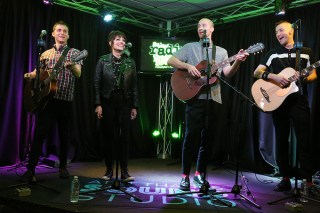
[116, 184]
[236, 188]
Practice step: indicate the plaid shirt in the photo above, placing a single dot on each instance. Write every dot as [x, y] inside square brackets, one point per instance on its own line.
[65, 78]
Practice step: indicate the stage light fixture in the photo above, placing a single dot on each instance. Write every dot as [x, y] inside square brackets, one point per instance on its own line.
[281, 6]
[156, 133]
[175, 135]
[48, 2]
[108, 17]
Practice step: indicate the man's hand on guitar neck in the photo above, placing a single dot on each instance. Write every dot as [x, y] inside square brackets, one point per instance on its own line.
[75, 68]
[29, 75]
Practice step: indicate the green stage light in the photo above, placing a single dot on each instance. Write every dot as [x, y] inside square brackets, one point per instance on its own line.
[175, 135]
[155, 133]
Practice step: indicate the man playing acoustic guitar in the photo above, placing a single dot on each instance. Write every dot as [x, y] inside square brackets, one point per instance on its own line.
[187, 58]
[59, 106]
[295, 109]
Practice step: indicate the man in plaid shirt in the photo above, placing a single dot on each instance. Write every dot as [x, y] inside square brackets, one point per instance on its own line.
[59, 106]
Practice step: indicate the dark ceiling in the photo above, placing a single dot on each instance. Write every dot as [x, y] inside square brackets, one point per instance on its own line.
[173, 16]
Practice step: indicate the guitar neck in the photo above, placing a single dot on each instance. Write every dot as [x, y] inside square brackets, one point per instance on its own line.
[306, 71]
[223, 63]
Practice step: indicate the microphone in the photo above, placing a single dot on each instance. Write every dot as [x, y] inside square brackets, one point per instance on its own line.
[204, 33]
[295, 25]
[43, 33]
[128, 45]
[205, 40]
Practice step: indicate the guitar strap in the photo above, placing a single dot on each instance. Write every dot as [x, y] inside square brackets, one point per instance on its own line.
[59, 62]
[215, 88]
[214, 49]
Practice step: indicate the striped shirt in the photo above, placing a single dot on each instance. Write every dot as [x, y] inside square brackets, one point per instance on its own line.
[65, 78]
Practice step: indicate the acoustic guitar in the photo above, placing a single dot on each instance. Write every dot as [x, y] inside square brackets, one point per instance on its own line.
[36, 98]
[186, 86]
[269, 96]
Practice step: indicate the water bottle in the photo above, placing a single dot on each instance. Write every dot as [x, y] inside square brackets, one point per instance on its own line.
[75, 189]
[304, 191]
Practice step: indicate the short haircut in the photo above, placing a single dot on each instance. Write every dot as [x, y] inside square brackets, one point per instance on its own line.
[59, 23]
[112, 35]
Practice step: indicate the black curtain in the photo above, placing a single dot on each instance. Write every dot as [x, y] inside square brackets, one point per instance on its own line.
[242, 127]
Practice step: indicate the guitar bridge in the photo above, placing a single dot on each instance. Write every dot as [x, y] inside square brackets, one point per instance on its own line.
[265, 94]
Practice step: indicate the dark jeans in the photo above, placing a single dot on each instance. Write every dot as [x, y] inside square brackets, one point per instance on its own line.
[116, 131]
[55, 110]
[196, 115]
[294, 111]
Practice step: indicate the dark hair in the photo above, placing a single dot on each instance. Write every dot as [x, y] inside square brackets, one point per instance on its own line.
[112, 35]
[59, 23]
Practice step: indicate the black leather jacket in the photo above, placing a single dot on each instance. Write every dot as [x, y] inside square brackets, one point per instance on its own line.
[104, 79]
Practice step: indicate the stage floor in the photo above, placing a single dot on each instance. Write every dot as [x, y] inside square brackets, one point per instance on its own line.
[154, 180]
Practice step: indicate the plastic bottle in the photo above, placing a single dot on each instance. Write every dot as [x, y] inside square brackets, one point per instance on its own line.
[304, 191]
[75, 189]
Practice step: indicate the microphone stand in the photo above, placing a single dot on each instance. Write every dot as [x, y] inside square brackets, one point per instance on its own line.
[236, 188]
[40, 44]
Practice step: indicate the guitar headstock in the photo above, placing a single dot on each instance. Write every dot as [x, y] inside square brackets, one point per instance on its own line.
[256, 48]
[81, 55]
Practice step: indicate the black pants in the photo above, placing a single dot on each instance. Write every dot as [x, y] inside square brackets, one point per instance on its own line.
[196, 114]
[55, 110]
[294, 111]
[116, 130]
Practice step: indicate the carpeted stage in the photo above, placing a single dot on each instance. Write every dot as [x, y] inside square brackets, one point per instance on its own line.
[154, 180]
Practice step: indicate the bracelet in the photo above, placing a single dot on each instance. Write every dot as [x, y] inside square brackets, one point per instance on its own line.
[265, 75]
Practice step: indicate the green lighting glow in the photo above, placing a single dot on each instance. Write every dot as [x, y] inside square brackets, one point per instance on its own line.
[155, 133]
[175, 135]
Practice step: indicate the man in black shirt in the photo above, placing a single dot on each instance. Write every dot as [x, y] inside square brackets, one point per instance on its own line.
[295, 109]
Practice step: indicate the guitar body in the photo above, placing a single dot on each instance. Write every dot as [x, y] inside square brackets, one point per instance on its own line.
[186, 86]
[37, 98]
[269, 96]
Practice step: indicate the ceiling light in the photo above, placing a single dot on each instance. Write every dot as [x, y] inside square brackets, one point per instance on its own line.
[48, 2]
[108, 17]
[281, 6]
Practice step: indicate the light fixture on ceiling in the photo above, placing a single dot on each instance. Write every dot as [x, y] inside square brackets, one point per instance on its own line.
[48, 2]
[281, 6]
[105, 14]
[107, 17]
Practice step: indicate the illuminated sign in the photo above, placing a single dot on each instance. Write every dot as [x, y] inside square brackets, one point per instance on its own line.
[161, 52]
[155, 53]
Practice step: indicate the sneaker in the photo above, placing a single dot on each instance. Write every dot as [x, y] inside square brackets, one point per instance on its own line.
[29, 176]
[125, 177]
[283, 185]
[108, 175]
[198, 180]
[185, 184]
[63, 173]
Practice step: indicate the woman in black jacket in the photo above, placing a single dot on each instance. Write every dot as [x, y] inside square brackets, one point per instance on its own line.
[116, 102]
